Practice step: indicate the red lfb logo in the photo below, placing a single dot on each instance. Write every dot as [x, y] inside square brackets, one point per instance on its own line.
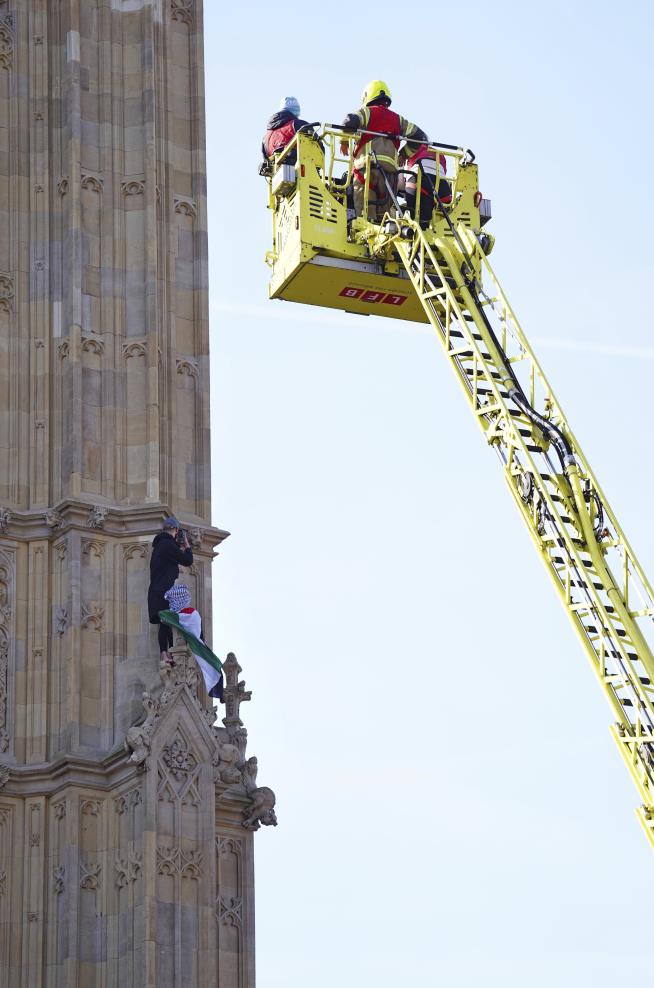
[373, 297]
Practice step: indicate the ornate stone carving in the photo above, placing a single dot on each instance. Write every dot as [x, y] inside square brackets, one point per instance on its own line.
[128, 799]
[182, 10]
[53, 519]
[229, 845]
[132, 549]
[261, 809]
[97, 516]
[3, 881]
[39, 263]
[92, 615]
[7, 292]
[92, 182]
[195, 537]
[32, 917]
[59, 875]
[137, 348]
[59, 810]
[91, 344]
[229, 910]
[90, 807]
[93, 547]
[90, 875]
[178, 758]
[4, 775]
[61, 621]
[139, 738]
[61, 549]
[227, 765]
[128, 869]
[63, 349]
[185, 206]
[132, 187]
[5, 518]
[187, 366]
[35, 840]
[234, 693]
[62, 186]
[6, 46]
[175, 860]
[5, 606]
[5, 632]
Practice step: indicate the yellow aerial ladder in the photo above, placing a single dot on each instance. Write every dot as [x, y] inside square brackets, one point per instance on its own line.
[439, 273]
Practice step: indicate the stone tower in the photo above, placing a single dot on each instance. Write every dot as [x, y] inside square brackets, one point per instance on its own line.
[126, 816]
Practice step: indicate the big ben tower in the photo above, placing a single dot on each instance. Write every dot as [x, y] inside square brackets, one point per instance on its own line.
[126, 814]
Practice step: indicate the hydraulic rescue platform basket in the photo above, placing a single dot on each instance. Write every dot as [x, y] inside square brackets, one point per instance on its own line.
[320, 253]
[434, 268]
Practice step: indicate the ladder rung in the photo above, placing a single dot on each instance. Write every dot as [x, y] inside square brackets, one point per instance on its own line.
[489, 391]
[620, 632]
[586, 562]
[469, 353]
[458, 333]
[493, 373]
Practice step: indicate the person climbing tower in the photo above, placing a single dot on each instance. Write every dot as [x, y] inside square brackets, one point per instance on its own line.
[167, 556]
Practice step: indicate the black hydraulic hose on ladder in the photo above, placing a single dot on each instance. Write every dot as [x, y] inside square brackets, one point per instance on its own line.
[516, 394]
[552, 432]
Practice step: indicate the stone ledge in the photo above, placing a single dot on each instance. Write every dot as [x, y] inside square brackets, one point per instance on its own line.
[48, 778]
[112, 520]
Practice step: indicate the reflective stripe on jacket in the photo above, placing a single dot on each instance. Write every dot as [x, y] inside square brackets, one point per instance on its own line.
[424, 151]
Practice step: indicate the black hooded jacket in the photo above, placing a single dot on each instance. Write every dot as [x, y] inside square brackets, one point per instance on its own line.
[165, 561]
[278, 120]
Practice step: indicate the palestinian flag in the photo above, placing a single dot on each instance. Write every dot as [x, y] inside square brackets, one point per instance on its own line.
[189, 625]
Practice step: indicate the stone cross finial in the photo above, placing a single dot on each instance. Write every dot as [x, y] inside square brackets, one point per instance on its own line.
[234, 693]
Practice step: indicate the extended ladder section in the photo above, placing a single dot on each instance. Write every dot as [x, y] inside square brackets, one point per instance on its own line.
[593, 567]
[323, 253]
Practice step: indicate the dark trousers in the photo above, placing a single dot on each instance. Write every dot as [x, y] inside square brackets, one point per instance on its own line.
[165, 636]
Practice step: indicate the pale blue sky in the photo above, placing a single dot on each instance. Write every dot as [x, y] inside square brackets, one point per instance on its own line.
[453, 811]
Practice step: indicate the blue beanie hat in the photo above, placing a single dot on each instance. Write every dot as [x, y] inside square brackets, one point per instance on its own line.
[291, 104]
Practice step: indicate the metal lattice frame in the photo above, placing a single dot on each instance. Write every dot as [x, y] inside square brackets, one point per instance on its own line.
[594, 569]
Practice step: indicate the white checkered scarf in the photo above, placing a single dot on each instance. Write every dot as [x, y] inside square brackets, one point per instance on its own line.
[178, 597]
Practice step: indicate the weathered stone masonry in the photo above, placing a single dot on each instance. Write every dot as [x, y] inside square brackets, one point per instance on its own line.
[124, 860]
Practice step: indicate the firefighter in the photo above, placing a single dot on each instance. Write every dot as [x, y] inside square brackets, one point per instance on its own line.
[282, 128]
[421, 161]
[376, 115]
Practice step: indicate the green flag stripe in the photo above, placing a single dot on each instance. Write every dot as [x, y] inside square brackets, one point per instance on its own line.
[196, 646]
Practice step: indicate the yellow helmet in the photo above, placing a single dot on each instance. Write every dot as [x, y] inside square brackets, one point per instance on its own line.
[374, 90]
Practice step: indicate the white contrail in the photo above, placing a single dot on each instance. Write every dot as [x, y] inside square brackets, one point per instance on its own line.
[287, 313]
